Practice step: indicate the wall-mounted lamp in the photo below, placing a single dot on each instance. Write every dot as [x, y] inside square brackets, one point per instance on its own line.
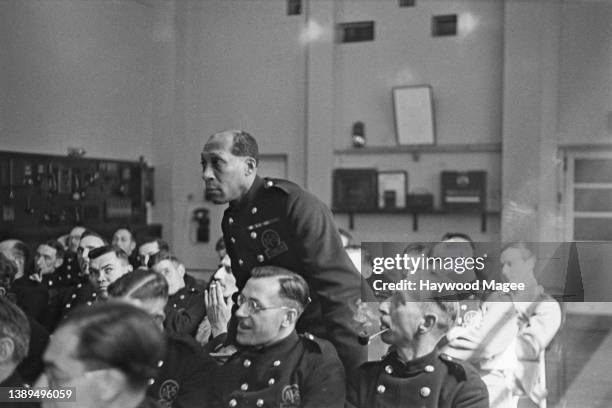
[358, 134]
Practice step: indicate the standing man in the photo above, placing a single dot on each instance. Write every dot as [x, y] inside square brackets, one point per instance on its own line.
[275, 222]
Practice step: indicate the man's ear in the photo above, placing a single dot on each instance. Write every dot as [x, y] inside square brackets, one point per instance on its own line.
[291, 318]
[58, 262]
[251, 165]
[428, 322]
[7, 348]
[181, 270]
[112, 383]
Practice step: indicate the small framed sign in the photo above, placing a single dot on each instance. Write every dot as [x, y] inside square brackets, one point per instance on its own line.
[354, 189]
[392, 188]
[414, 118]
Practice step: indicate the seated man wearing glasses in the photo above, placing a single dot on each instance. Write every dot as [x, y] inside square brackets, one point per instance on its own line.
[414, 373]
[276, 367]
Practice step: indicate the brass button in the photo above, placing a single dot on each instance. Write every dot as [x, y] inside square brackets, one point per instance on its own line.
[269, 183]
[276, 363]
[259, 402]
[233, 240]
[429, 368]
[240, 262]
[233, 403]
[247, 363]
[89, 303]
[253, 235]
[230, 220]
[260, 258]
[380, 389]
[151, 381]
[160, 363]
[425, 391]
[182, 297]
[254, 210]
[388, 369]
[73, 295]
[244, 387]
[271, 381]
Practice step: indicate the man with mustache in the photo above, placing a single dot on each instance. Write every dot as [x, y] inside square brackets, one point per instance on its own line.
[414, 372]
[276, 222]
[274, 366]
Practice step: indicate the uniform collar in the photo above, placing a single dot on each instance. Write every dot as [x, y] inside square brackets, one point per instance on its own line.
[411, 367]
[284, 345]
[248, 199]
[13, 380]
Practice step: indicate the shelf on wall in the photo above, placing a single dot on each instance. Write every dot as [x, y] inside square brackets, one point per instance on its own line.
[415, 215]
[444, 148]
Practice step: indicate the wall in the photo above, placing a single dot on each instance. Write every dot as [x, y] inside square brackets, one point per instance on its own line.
[465, 73]
[238, 65]
[78, 74]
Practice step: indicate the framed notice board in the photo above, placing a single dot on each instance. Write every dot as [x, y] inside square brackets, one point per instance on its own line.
[414, 118]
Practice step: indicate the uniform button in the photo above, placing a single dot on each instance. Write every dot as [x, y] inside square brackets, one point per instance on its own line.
[244, 387]
[50, 283]
[254, 210]
[73, 295]
[89, 303]
[276, 363]
[253, 235]
[192, 289]
[259, 403]
[182, 297]
[425, 391]
[79, 285]
[269, 183]
[151, 381]
[429, 368]
[463, 307]
[310, 336]
[233, 240]
[388, 369]
[233, 403]
[94, 294]
[230, 220]
[68, 306]
[380, 389]
[247, 363]
[69, 267]
[160, 363]
[260, 258]
[240, 262]
[271, 381]
[174, 305]
[69, 276]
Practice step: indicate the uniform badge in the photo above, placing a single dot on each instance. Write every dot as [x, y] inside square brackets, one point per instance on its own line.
[290, 396]
[472, 318]
[168, 392]
[272, 243]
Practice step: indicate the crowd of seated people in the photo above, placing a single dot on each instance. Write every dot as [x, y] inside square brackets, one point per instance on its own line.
[131, 328]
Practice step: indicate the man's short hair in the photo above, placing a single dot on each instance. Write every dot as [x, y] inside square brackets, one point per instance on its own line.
[142, 284]
[163, 245]
[445, 307]
[163, 256]
[118, 335]
[14, 325]
[460, 235]
[293, 287]
[416, 248]
[59, 254]
[103, 250]
[243, 144]
[18, 249]
[90, 233]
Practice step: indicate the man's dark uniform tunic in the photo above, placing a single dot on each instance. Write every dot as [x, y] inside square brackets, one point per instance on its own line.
[434, 380]
[185, 309]
[279, 223]
[299, 371]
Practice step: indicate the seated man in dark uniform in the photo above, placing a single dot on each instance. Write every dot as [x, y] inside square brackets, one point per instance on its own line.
[415, 373]
[276, 367]
[186, 372]
[14, 341]
[186, 305]
[149, 247]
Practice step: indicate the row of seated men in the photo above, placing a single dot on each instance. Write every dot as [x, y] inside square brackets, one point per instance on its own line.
[205, 358]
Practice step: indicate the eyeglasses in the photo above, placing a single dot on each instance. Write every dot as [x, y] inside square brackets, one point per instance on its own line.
[253, 307]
